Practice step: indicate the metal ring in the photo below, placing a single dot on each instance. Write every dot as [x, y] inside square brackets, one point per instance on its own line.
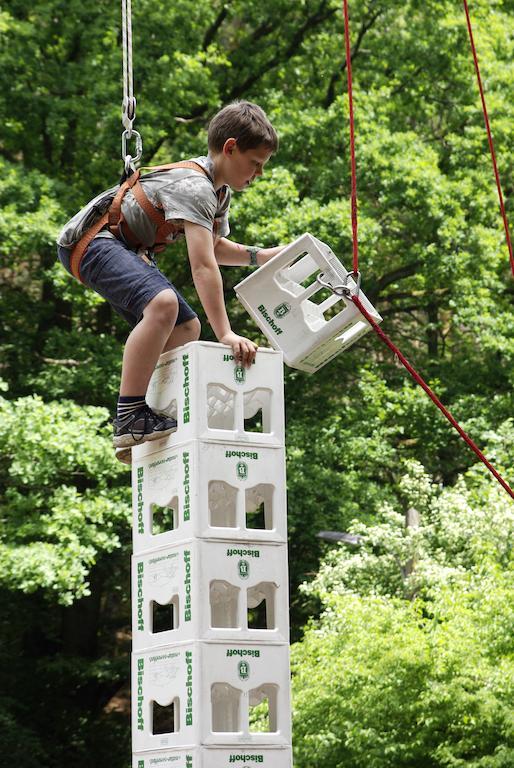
[125, 136]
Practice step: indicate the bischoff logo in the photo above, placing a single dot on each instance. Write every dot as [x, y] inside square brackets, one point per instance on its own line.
[245, 758]
[274, 327]
[239, 374]
[243, 652]
[187, 585]
[140, 614]
[230, 358]
[243, 670]
[242, 470]
[242, 454]
[140, 696]
[243, 568]
[185, 385]
[282, 310]
[189, 688]
[243, 552]
[187, 498]
[140, 519]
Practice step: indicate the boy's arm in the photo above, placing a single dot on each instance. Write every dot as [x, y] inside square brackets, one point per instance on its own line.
[209, 286]
[230, 254]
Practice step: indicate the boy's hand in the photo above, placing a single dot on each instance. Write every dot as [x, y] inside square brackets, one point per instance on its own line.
[244, 350]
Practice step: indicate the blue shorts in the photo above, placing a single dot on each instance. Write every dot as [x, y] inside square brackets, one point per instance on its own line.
[124, 279]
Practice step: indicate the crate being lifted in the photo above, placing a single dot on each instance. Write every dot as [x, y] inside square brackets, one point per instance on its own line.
[299, 315]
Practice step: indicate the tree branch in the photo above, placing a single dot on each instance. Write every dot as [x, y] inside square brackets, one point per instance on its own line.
[392, 277]
[317, 18]
[213, 29]
[365, 27]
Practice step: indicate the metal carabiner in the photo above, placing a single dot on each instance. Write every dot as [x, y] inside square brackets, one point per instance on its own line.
[125, 136]
[343, 289]
[339, 290]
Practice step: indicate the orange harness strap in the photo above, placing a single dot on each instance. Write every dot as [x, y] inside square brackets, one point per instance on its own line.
[113, 219]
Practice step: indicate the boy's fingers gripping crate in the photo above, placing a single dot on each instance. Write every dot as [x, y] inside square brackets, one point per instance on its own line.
[308, 322]
[214, 398]
[210, 490]
[210, 590]
[215, 757]
[211, 693]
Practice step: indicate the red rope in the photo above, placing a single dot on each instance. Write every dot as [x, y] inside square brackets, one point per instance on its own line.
[417, 378]
[355, 298]
[489, 137]
[355, 240]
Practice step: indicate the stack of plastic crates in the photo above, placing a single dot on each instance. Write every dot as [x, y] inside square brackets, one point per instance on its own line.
[210, 662]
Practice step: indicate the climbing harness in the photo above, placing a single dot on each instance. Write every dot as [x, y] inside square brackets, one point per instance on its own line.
[114, 221]
[353, 294]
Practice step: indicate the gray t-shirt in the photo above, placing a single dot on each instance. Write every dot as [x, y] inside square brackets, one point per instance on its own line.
[182, 193]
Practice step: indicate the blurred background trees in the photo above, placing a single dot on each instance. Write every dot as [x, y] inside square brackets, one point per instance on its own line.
[403, 652]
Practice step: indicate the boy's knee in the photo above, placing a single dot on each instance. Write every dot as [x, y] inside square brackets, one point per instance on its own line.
[163, 307]
[192, 329]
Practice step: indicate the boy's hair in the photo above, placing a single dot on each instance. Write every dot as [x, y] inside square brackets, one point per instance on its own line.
[244, 121]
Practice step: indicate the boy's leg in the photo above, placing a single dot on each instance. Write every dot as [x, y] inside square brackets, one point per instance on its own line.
[146, 342]
[187, 331]
[183, 334]
[151, 304]
[135, 421]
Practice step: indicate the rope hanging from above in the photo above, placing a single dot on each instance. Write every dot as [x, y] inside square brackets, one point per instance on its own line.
[355, 297]
[128, 107]
[353, 165]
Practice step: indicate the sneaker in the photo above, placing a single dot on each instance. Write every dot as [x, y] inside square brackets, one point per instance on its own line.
[140, 426]
[124, 455]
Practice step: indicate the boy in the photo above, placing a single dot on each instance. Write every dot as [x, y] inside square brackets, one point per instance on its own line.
[118, 263]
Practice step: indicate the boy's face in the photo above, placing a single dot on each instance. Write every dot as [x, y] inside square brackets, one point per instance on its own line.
[241, 168]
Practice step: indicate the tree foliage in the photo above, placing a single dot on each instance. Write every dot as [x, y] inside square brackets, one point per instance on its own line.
[411, 662]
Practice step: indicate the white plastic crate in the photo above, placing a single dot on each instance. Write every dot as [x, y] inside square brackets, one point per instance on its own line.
[211, 693]
[213, 398]
[309, 323]
[208, 489]
[215, 757]
[210, 590]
